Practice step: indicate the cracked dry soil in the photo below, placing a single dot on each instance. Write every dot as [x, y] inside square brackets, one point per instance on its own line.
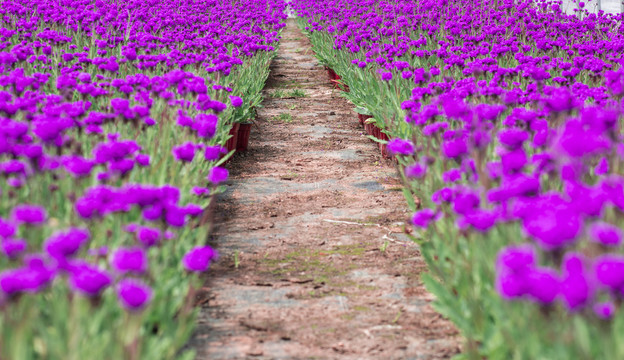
[314, 263]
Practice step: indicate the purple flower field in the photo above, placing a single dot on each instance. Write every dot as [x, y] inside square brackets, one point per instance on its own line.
[113, 118]
[504, 119]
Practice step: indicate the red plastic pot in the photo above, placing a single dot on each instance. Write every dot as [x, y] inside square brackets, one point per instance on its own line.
[231, 143]
[335, 79]
[340, 85]
[384, 147]
[369, 128]
[376, 132]
[363, 118]
[384, 151]
[382, 135]
[243, 137]
[332, 74]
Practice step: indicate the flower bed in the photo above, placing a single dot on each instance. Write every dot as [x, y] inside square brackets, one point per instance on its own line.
[113, 121]
[506, 118]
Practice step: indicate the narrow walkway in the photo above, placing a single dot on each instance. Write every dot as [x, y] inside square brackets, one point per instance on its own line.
[313, 261]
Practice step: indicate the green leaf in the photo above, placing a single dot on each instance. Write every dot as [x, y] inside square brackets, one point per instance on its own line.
[446, 303]
[361, 110]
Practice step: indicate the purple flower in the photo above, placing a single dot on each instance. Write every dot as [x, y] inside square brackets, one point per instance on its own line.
[65, 244]
[386, 76]
[15, 182]
[400, 146]
[513, 161]
[7, 228]
[452, 175]
[513, 266]
[13, 167]
[21, 280]
[432, 129]
[88, 279]
[609, 270]
[513, 138]
[456, 108]
[129, 53]
[129, 260]
[13, 247]
[184, 152]
[481, 220]
[576, 140]
[422, 218]
[454, 148]
[217, 175]
[198, 259]
[442, 195]
[605, 234]
[184, 120]
[77, 166]
[29, 214]
[143, 159]
[236, 101]
[205, 125]
[543, 285]
[120, 106]
[49, 131]
[84, 77]
[416, 171]
[511, 285]
[193, 210]
[175, 216]
[153, 212]
[575, 288]
[552, 228]
[604, 310]
[587, 200]
[122, 166]
[133, 294]
[466, 201]
[200, 191]
[517, 258]
[148, 236]
[212, 153]
[514, 186]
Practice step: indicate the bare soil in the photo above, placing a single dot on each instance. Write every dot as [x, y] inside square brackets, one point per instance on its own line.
[314, 261]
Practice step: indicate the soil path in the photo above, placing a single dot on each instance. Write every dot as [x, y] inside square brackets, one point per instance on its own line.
[313, 260]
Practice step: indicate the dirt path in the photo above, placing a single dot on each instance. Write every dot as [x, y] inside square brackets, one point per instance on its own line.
[313, 263]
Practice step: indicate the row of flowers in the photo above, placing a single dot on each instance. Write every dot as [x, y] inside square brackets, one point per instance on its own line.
[104, 201]
[506, 120]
